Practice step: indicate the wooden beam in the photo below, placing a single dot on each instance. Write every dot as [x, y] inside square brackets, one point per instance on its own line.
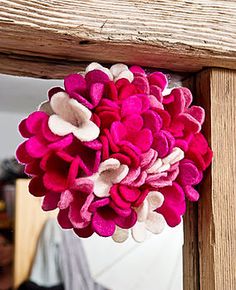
[183, 35]
[217, 214]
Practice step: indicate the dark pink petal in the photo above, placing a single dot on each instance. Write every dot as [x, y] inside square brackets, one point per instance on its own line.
[22, 155]
[145, 101]
[85, 232]
[190, 124]
[182, 144]
[23, 129]
[111, 91]
[66, 198]
[120, 211]
[178, 105]
[152, 121]
[54, 91]
[63, 219]
[141, 198]
[129, 194]
[103, 223]
[134, 155]
[36, 186]
[105, 147]
[165, 116]
[137, 70]
[62, 143]
[126, 222]
[50, 201]
[124, 159]
[118, 200]
[34, 122]
[141, 84]
[99, 203]
[157, 92]
[143, 140]
[95, 144]
[118, 131]
[96, 76]
[113, 137]
[33, 168]
[160, 144]
[188, 96]
[127, 90]
[107, 118]
[158, 79]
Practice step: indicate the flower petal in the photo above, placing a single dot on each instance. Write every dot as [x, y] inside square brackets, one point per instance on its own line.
[155, 199]
[155, 223]
[120, 235]
[139, 232]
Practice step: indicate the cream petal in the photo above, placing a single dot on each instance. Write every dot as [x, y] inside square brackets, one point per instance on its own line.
[81, 113]
[98, 66]
[109, 164]
[120, 235]
[59, 126]
[119, 174]
[142, 211]
[101, 187]
[163, 168]
[155, 223]
[176, 155]
[139, 232]
[118, 68]
[46, 107]
[158, 163]
[155, 200]
[125, 75]
[61, 106]
[86, 132]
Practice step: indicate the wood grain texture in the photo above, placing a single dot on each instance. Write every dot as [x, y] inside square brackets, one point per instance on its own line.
[217, 215]
[181, 35]
[29, 221]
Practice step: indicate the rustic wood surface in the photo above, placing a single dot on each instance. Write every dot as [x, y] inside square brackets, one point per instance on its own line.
[178, 35]
[217, 214]
[29, 221]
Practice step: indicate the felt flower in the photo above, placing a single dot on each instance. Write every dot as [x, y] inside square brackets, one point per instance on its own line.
[69, 116]
[148, 219]
[109, 172]
[114, 150]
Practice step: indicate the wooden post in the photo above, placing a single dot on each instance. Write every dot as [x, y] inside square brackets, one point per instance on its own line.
[217, 214]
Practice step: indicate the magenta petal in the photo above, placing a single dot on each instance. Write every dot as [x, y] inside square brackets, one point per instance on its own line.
[23, 129]
[119, 211]
[188, 173]
[126, 222]
[118, 200]
[35, 147]
[103, 223]
[132, 176]
[145, 101]
[74, 214]
[197, 113]
[158, 79]
[188, 96]
[34, 122]
[85, 213]
[137, 70]
[160, 144]
[143, 140]
[118, 131]
[84, 185]
[152, 121]
[63, 219]
[95, 144]
[33, 168]
[130, 106]
[36, 186]
[50, 201]
[62, 143]
[157, 92]
[75, 84]
[96, 93]
[191, 193]
[133, 123]
[22, 155]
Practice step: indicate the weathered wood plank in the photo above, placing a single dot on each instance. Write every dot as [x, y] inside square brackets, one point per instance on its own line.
[178, 35]
[217, 215]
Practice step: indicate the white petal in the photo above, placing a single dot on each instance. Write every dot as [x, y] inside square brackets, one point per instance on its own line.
[46, 107]
[97, 66]
[155, 166]
[167, 91]
[81, 113]
[120, 235]
[102, 187]
[125, 75]
[60, 106]
[86, 131]
[120, 173]
[59, 126]
[176, 155]
[155, 199]
[142, 211]
[163, 168]
[139, 232]
[117, 68]
[155, 223]
[109, 164]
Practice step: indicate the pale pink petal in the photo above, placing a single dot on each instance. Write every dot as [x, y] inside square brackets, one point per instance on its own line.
[119, 174]
[109, 164]
[46, 107]
[176, 155]
[96, 66]
[139, 232]
[155, 199]
[102, 186]
[120, 235]
[142, 211]
[155, 223]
